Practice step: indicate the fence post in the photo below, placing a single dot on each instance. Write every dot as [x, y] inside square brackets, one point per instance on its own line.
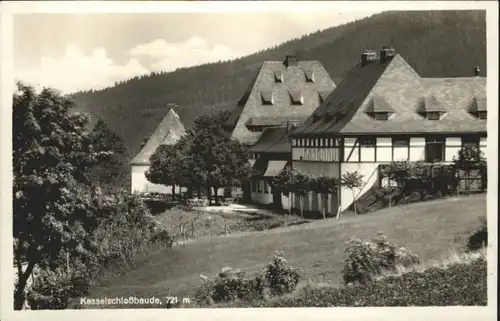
[225, 227]
[67, 262]
[193, 234]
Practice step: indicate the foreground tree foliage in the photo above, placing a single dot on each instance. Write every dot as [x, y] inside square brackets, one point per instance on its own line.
[283, 182]
[204, 157]
[468, 159]
[109, 173]
[52, 153]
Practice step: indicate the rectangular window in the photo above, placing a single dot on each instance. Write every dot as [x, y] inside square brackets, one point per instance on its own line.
[254, 185]
[470, 141]
[433, 115]
[259, 186]
[434, 149]
[367, 142]
[381, 116]
[401, 141]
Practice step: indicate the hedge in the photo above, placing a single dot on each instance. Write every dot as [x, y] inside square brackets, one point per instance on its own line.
[463, 284]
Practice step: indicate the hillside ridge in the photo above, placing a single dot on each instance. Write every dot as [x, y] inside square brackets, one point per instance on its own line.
[435, 44]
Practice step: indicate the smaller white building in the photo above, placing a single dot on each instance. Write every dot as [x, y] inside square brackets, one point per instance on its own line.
[168, 132]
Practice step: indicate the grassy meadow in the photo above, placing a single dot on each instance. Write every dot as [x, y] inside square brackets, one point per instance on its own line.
[432, 230]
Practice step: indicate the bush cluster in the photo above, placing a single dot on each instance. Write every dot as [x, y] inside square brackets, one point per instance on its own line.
[281, 277]
[366, 259]
[52, 289]
[125, 230]
[479, 237]
[462, 284]
[278, 278]
[229, 285]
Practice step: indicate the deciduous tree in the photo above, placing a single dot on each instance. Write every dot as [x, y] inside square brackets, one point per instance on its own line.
[52, 153]
[353, 181]
[324, 186]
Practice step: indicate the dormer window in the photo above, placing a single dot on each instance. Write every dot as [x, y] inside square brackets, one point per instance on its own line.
[316, 118]
[278, 77]
[430, 108]
[381, 116]
[433, 115]
[267, 97]
[477, 107]
[379, 109]
[296, 98]
[309, 75]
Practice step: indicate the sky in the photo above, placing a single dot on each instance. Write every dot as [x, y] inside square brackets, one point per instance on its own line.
[72, 52]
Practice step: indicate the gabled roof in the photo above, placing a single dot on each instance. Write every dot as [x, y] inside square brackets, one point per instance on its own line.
[272, 140]
[293, 80]
[405, 92]
[168, 132]
[259, 167]
[345, 99]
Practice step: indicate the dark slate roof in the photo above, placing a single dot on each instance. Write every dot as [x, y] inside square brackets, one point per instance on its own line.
[344, 100]
[294, 79]
[259, 167]
[274, 121]
[273, 140]
[404, 91]
[168, 132]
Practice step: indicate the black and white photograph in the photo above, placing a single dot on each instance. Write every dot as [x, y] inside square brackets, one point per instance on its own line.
[178, 156]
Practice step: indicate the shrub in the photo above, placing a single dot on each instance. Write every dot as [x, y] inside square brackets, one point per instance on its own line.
[281, 277]
[52, 289]
[126, 227]
[460, 284]
[229, 286]
[365, 259]
[163, 236]
[479, 237]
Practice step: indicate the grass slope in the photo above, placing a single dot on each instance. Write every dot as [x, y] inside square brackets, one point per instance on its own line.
[430, 229]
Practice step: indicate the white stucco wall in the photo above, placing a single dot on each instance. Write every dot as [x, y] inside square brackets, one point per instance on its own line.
[370, 177]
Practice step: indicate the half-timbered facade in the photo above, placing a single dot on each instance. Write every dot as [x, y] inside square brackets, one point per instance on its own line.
[384, 111]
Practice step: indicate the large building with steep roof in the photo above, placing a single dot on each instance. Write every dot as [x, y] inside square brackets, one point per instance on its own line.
[282, 95]
[168, 132]
[385, 111]
[282, 91]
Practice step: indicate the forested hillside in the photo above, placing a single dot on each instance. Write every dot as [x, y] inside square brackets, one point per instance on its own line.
[436, 44]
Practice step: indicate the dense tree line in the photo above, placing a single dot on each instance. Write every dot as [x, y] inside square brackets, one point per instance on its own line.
[205, 157]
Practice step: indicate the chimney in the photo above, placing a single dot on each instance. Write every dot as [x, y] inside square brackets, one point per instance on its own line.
[368, 56]
[386, 54]
[291, 60]
[477, 71]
